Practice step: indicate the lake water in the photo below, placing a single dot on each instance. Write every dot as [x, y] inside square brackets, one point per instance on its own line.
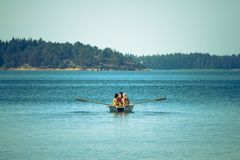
[40, 119]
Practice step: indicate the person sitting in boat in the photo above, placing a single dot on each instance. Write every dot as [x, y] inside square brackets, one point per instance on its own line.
[121, 94]
[119, 100]
[115, 100]
[125, 100]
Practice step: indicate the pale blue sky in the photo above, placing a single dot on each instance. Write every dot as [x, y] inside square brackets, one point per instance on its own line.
[129, 26]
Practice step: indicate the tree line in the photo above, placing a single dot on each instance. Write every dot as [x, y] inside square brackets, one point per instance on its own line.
[189, 61]
[41, 54]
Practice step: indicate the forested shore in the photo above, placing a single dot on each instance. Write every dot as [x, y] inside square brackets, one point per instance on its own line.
[29, 54]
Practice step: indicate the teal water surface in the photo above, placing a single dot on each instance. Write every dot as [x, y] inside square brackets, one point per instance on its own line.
[40, 119]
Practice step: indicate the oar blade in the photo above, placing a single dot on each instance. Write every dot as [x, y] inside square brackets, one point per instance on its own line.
[80, 99]
[151, 100]
[90, 101]
[161, 98]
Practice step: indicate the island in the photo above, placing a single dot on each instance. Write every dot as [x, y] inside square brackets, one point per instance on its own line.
[30, 54]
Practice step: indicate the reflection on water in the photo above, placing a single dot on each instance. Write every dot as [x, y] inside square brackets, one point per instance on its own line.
[121, 114]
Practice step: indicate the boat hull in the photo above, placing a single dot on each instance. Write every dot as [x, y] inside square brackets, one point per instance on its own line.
[126, 109]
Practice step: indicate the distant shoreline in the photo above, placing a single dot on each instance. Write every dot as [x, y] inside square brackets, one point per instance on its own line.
[64, 69]
[42, 69]
[97, 69]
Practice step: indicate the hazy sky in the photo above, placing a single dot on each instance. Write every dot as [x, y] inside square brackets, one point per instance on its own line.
[129, 26]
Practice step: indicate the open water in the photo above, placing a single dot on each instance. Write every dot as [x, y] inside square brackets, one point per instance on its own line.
[40, 118]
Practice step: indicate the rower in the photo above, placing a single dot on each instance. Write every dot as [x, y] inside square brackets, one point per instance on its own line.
[115, 100]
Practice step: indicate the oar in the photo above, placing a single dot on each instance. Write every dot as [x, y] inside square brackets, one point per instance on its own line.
[151, 100]
[91, 101]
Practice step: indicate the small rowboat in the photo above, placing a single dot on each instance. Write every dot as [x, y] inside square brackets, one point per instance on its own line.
[126, 109]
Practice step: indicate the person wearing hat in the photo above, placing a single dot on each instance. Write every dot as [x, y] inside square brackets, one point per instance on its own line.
[125, 100]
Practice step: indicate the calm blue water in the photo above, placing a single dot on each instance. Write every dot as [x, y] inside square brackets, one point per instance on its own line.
[40, 119]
